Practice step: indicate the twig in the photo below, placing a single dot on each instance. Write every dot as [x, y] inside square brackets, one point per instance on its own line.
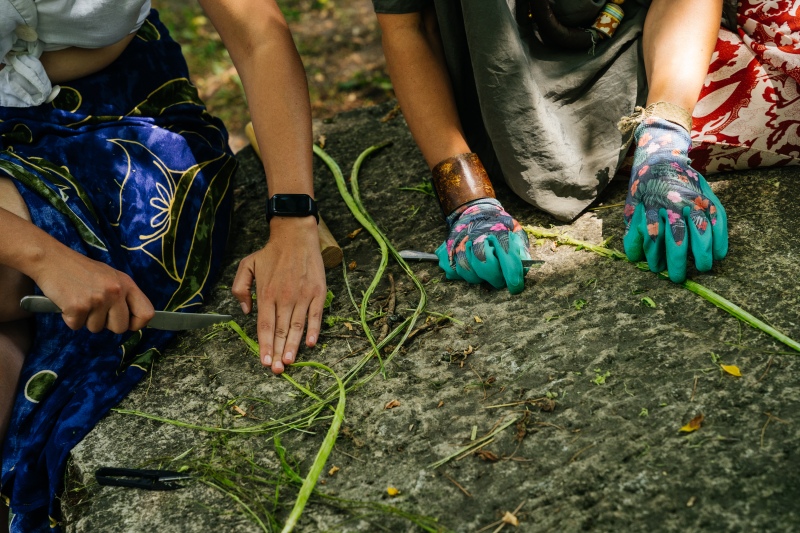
[348, 455]
[389, 310]
[457, 484]
[769, 364]
[483, 383]
[483, 441]
[694, 388]
[770, 417]
[512, 404]
[572, 459]
[426, 326]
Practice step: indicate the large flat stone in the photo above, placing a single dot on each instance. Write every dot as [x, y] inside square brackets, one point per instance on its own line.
[624, 376]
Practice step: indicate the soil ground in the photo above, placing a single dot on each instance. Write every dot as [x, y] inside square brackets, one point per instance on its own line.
[572, 393]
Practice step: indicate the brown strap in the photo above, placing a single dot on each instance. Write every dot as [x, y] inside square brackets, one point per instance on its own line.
[460, 179]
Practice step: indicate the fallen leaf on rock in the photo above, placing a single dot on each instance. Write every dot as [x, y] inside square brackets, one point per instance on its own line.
[392, 404]
[354, 233]
[391, 491]
[487, 456]
[441, 403]
[733, 370]
[694, 424]
[333, 470]
[239, 410]
[478, 319]
[509, 518]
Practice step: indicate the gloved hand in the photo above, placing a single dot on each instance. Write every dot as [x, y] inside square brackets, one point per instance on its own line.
[485, 244]
[670, 207]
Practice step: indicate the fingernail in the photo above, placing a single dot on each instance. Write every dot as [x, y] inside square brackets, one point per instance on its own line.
[311, 340]
[267, 360]
[288, 357]
[244, 307]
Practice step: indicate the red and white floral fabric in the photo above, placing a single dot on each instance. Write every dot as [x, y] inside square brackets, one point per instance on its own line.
[748, 114]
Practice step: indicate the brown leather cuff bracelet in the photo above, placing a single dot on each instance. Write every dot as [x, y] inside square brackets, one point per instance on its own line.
[460, 179]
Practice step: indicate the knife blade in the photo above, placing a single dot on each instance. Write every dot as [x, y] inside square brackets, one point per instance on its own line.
[413, 255]
[168, 320]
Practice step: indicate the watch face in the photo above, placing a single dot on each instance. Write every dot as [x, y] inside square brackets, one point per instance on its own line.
[292, 204]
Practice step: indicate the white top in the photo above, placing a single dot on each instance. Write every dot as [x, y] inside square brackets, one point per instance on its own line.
[30, 27]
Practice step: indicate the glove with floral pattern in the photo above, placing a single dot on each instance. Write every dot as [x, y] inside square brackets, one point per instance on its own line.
[670, 208]
[485, 244]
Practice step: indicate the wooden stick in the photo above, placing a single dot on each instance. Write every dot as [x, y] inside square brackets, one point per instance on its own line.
[331, 251]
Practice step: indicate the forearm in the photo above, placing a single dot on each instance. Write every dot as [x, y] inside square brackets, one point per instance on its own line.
[261, 47]
[414, 57]
[23, 246]
[678, 40]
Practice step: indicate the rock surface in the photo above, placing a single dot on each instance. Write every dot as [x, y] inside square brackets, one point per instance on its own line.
[594, 383]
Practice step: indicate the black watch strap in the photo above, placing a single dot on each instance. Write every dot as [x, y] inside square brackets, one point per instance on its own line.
[291, 205]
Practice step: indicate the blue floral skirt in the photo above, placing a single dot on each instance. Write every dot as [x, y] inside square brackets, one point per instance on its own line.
[128, 168]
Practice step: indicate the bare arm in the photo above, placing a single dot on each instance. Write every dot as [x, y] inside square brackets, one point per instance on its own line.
[413, 50]
[678, 40]
[288, 271]
[90, 293]
[73, 62]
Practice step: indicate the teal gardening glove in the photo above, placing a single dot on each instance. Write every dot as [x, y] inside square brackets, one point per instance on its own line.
[485, 244]
[670, 208]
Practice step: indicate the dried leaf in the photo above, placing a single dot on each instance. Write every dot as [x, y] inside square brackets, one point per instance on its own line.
[509, 518]
[488, 456]
[392, 404]
[348, 325]
[441, 403]
[391, 491]
[239, 410]
[321, 141]
[733, 370]
[333, 470]
[353, 234]
[352, 265]
[694, 424]
[478, 319]
[391, 114]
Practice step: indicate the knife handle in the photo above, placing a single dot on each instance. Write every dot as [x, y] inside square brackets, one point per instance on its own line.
[38, 304]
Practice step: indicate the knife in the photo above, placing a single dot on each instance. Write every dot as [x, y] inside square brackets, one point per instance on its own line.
[424, 256]
[168, 320]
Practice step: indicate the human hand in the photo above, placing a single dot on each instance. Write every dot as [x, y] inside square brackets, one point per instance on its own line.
[92, 294]
[290, 287]
[670, 207]
[485, 244]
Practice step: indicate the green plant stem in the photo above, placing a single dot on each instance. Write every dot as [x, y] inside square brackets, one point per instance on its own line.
[322, 455]
[238, 500]
[702, 291]
[356, 207]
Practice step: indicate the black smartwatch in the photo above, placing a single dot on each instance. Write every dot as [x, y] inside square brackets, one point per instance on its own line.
[291, 205]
